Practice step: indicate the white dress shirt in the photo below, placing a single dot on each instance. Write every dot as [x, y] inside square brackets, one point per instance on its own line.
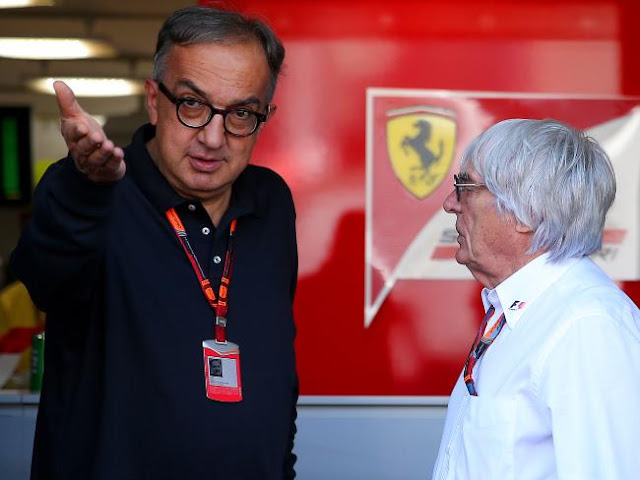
[559, 388]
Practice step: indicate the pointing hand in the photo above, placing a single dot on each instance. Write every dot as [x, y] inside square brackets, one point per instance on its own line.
[93, 153]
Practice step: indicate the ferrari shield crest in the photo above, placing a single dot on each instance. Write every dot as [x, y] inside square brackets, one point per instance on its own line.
[421, 143]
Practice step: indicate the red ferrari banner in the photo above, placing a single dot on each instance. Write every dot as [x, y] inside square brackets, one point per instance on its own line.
[414, 142]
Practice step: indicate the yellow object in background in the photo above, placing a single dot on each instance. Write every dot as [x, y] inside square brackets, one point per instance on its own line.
[39, 167]
[19, 320]
[16, 309]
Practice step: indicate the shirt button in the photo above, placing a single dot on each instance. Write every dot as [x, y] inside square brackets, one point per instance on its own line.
[205, 230]
[217, 259]
[192, 207]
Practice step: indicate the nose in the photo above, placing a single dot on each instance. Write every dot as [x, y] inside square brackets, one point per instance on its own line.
[213, 134]
[451, 203]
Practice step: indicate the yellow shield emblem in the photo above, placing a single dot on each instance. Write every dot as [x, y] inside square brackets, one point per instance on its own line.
[421, 144]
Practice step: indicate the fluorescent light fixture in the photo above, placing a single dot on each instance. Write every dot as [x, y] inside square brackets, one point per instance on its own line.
[25, 3]
[54, 48]
[91, 87]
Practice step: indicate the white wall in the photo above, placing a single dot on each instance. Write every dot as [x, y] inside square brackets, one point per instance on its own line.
[396, 440]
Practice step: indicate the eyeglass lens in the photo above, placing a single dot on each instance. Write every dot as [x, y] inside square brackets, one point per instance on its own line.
[236, 121]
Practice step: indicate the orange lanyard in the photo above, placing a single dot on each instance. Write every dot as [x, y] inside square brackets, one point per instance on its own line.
[219, 305]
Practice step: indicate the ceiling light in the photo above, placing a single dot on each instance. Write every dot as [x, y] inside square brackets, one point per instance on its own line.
[25, 3]
[91, 87]
[54, 48]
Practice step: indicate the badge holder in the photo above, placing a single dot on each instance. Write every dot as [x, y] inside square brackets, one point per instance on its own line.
[222, 370]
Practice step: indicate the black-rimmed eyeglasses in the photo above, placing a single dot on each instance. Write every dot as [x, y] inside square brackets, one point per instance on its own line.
[194, 113]
[462, 181]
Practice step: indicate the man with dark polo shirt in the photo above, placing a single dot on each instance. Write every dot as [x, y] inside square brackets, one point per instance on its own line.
[167, 270]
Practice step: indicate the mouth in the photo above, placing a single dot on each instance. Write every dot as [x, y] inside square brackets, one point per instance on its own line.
[457, 229]
[205, 164]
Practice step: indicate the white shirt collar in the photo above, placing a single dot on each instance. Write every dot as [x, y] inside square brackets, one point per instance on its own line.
[524, 286]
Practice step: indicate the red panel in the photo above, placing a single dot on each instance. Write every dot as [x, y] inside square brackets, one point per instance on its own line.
[418, 18]
[335, 51]
[630, 45]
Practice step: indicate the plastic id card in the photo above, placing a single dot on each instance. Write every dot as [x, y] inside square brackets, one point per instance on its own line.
[222, 371]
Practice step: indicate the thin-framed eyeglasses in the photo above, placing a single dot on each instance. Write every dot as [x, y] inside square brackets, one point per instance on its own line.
[462, 181]
[194, 113]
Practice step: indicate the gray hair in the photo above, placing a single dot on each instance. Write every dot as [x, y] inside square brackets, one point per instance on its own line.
[197, 25]
[549, 176]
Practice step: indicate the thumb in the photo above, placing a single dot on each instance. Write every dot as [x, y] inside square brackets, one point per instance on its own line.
[67, 103]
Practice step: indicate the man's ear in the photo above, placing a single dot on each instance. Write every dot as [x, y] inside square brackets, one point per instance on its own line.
[151, 90]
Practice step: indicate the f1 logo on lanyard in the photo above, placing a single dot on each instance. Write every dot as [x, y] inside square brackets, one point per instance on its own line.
[221, 358]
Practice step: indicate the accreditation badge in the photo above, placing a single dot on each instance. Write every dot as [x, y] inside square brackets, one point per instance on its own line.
[222, 371]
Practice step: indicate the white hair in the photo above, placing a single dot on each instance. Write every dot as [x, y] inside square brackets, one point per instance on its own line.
[552, 178]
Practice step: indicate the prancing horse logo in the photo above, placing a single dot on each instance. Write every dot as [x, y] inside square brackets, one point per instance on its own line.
[421, 144]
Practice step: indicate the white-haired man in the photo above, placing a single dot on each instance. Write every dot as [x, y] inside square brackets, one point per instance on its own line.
[550, 387]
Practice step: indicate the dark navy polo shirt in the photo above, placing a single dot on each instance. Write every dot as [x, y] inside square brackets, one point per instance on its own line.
[123, 394]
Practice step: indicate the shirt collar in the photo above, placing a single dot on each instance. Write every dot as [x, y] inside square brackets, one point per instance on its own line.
[515, 294]
[157, 189]
[245, 195]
